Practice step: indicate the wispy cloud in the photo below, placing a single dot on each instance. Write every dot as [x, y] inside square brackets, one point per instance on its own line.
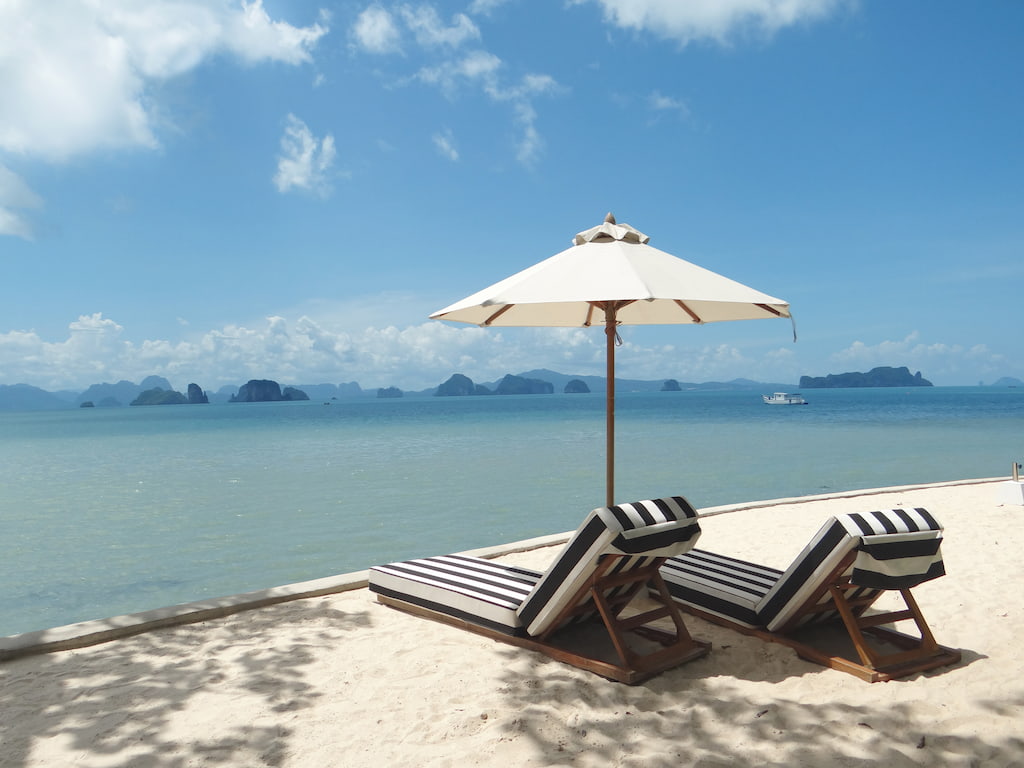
[444, 142]
[305, 161]
[485, 7]
[478, 68]
[718, 20]
[380, 31]
[15, 199]
[667, 104]
[426, 25]
[522, 95]
[451, 67]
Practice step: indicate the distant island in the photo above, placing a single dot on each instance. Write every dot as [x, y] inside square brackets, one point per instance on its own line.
[538, 380]
[161, 396]
[459, 385]
[882, 376]
[158, 396]
[266, 391]
[24, 397]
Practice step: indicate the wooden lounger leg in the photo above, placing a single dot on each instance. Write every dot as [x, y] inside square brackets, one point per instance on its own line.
[918, 654]
[678, 647]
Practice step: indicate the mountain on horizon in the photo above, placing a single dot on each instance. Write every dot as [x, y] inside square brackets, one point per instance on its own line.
[25, 397]
[597, 383]
[121, 393]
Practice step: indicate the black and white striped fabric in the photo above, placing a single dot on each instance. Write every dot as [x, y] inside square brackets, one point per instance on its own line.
[468, 588]
[645, 530]
[522, 601]
[895, 548]
[724, 586]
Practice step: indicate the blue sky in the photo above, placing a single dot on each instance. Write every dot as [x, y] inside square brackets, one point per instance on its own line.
[215, 191]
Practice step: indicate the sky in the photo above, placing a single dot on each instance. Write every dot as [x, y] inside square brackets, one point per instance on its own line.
[219, 190]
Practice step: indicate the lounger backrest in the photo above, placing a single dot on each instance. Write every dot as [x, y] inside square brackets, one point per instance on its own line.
[641, 532]
[895, 548]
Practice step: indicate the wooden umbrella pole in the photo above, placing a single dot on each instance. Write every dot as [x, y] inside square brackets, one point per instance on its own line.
[610, 325]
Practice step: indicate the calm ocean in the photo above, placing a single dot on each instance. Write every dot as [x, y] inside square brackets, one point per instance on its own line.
[110, 511]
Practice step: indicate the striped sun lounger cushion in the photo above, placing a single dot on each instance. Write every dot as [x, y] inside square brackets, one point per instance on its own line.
[523, 601]
[468, 588]
[895, 549]
[644, 529]
[724, 586]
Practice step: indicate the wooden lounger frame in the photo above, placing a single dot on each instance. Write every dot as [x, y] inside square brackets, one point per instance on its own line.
[605, 591]
[918, 654]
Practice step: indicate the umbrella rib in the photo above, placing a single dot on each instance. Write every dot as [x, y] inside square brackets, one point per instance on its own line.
[606, 307]
[498, 314]
[766, 308]
[693, 315]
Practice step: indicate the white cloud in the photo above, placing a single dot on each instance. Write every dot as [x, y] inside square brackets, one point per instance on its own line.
[375, 31]
[15, 198]
[444, 142]
[254, 36]
[86, 354]
[307, 350]
[305, 161]
[426, 25]
[78, 75]
[717, 20]
[347, 343]
[377, 340]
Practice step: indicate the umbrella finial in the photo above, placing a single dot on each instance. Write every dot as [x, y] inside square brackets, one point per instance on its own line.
[609, 218]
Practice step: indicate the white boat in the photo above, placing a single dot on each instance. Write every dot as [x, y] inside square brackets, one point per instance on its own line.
[784, 398]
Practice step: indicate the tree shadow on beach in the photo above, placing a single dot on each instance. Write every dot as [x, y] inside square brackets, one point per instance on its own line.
[712, 717]
[123, 698]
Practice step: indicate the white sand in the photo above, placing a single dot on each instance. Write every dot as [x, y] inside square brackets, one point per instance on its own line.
[343, 681]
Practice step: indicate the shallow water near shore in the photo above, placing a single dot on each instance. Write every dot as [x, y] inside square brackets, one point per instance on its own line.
[110, 511]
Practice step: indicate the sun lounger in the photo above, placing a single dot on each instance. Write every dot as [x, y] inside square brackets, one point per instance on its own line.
[849, 564]
[611, 561]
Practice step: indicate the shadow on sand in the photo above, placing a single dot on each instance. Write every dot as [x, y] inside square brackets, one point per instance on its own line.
[711, 722]
[153, 676]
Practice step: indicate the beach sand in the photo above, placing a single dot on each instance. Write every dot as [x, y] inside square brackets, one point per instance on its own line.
[340, 680]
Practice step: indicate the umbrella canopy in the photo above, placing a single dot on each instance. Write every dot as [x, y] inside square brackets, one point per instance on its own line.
[611, 276]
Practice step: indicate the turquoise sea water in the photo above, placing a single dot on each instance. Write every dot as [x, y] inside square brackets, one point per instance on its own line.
[110, 511]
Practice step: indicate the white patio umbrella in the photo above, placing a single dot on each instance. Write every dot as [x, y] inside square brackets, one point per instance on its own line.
[611, 276]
